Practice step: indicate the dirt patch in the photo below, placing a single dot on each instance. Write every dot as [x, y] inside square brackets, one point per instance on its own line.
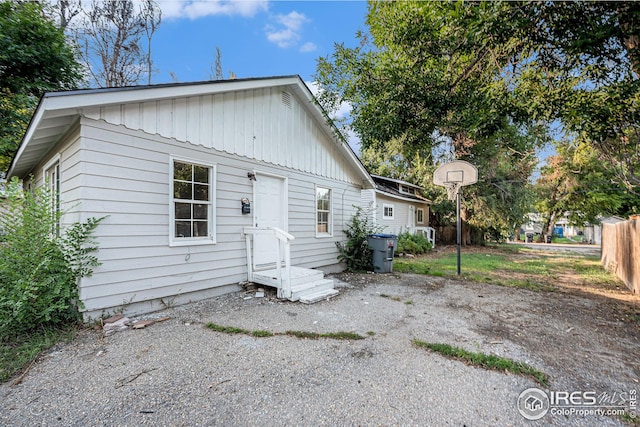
[586, 334]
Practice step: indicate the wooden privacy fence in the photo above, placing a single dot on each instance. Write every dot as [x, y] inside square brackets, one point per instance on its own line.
[621, 251]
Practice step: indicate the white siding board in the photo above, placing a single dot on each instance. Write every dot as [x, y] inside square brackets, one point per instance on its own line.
[150, 117]
[165, 117]
[228, 123]
[180, 121]
[133, 188]
[206, 120]
[131, 115]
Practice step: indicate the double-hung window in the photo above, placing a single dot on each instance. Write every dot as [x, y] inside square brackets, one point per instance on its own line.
[323, 212]
[192, 204]
[52, 180]
[387, 211]
[420, 216]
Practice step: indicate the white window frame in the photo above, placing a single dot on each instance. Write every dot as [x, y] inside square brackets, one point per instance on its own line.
[405, 189]
[211, 212]
[329, 232]
[386, 206]
[51, 178]
[419, 212]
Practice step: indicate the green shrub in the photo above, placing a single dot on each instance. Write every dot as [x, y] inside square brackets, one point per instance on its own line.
[39, 270]
[355, 252]
[413, 243]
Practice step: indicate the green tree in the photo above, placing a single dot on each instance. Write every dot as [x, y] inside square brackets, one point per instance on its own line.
[424, 82]
[576, 182]
[34, 58]
[579, 63]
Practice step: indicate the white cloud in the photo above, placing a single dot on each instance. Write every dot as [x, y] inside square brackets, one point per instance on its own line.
[194, 9]
[288, 29]
[308, 47]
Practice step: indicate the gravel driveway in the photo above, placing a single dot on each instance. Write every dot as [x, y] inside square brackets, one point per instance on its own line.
[180, 373]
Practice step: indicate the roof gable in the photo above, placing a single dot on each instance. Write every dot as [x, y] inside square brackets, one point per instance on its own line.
[255, 118]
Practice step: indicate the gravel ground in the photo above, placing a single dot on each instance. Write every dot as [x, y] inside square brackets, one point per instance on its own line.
[179, 373]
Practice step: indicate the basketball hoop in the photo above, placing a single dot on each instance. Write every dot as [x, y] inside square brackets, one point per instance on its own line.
[452, 190]
[452, 176]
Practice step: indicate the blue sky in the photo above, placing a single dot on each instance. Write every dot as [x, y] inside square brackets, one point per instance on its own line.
[256, 38]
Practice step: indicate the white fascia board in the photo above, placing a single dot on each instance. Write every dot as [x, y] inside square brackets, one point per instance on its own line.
[99, 97]
[33, 125]
[332, 132]
[406, 199]
[398, 181]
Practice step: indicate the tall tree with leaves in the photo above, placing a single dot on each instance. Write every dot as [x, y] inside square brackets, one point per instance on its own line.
[579, 63]
[577, 183]
[422, 77]
[34, 57]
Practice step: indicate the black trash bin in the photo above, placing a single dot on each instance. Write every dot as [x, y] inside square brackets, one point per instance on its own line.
[549, 239]
[529, 237]
[383, 247]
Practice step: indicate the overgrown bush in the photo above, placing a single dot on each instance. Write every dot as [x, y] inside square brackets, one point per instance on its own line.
[354, 252]
[413, 243]
[39, 269]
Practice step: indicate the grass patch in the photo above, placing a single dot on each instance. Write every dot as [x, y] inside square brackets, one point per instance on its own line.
[261, 334]
[513, 266]
[631, 419]
[486, 361]
[299, 334]
[332, 335]
[17, 354]
[227, 329]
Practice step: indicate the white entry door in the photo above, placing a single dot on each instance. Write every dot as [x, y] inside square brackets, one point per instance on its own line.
[270, 210]
[411, 220]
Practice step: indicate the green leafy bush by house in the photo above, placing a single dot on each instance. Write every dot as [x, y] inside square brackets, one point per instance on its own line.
[413, 243]
[39, 264]
[355, 252]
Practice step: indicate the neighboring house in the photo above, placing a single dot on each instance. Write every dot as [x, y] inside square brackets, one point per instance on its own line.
[593, 232]
[534, 225]
[398, 206]
[204, 185]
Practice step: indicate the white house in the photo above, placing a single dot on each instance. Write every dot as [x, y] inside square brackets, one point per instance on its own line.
[204, 185]
[398, 206]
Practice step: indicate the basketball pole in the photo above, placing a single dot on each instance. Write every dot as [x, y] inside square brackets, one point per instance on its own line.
[458, 226]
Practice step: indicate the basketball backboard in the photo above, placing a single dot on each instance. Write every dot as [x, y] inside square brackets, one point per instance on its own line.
[456, 172]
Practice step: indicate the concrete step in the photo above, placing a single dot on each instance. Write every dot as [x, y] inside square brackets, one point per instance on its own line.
[299, 276]
[297, 291]
[314, 297]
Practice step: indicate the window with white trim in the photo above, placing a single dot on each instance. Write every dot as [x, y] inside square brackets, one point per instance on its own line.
[52, 180]
[387, 211]
[419, 216]
[323, 212]
[192, 202]
[407, 190]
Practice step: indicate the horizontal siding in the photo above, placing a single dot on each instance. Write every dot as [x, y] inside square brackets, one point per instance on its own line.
[132, 188]
[69, 150]
[400, 219]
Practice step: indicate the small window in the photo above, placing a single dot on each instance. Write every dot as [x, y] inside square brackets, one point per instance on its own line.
[323, 212]
[387, 211]
[407, 190]
[420, 216]
[52, 180]
[192, 210]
